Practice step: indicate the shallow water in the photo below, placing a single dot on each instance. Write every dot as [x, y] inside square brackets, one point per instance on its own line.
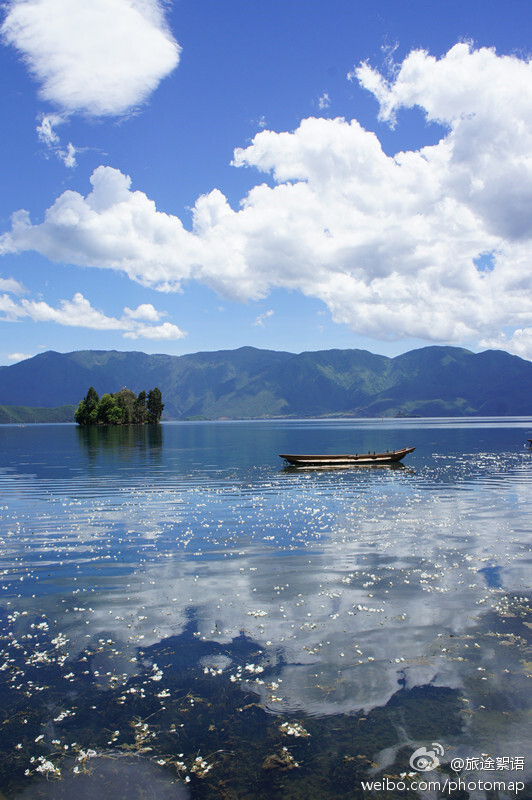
[174, 600]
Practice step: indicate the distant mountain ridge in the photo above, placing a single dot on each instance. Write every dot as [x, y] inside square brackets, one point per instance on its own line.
[250, 383]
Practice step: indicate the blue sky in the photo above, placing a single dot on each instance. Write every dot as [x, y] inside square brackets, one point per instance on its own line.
[297, 176]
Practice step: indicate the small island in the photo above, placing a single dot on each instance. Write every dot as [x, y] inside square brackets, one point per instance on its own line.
[121, 408]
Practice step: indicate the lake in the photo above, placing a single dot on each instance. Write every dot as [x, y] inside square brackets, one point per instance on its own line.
[184, 617]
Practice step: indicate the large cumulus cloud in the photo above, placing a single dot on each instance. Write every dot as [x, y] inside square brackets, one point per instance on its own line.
[433, 243]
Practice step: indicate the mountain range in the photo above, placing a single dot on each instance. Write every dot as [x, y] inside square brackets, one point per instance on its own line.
[251, 383]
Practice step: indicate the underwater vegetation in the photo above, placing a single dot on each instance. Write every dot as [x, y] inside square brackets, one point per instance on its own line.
[191, 723]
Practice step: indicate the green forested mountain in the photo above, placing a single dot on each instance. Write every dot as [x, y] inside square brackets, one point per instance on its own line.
[22, 414]
[247, 383]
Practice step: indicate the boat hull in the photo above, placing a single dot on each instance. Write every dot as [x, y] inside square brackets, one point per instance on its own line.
[347, 460]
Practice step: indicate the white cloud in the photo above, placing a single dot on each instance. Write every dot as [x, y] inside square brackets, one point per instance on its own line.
[9, 308]
[261, 317]
[68, 156]
[79, 313]
[145, 311]
[47, 135]
[12, 286]
[389, 244]
[100, 58]
[324, 101]
[519, 342]
[19, 356]
[164, 331]
[46, 132]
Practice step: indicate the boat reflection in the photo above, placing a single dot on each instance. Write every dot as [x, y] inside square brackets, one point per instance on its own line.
[292, 469]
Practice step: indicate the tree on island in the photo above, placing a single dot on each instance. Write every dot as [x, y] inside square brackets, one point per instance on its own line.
[155, 405]
[140, 412]
[121, 408]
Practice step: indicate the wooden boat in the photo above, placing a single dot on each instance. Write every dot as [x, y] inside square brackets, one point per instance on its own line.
[347, 460]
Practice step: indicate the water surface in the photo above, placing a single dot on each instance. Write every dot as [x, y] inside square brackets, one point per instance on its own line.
[179, 608]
